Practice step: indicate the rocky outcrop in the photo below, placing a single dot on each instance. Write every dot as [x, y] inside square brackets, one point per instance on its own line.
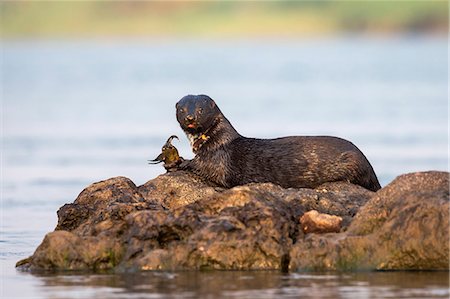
[178, 221]
[405, 225]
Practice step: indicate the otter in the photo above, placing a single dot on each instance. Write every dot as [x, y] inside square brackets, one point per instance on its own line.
[228, 159]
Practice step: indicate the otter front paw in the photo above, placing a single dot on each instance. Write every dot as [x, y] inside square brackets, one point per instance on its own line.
[174, 165]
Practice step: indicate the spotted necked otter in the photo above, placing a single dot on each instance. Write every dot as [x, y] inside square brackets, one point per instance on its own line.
[228, 159]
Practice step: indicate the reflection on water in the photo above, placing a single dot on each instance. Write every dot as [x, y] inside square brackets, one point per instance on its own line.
[254, 284]
[76, 112]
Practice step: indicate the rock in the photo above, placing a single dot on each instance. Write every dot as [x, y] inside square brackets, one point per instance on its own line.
[64, 250]
[177, 189]
[245, 227]
[340, 199]
[179, 221]
[101, 207]
[405, 226]
[315, 222]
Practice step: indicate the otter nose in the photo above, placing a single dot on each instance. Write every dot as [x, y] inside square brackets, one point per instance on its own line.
[189, 118]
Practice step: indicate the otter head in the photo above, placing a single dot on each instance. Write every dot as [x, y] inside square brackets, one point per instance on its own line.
[196, 115]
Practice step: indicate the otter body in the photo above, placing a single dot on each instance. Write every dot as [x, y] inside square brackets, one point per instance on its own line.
[225, 157]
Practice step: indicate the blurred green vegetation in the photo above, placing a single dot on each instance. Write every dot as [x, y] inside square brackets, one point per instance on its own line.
[219, 19]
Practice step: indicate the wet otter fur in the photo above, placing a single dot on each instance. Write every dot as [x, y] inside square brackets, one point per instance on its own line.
[228, 159]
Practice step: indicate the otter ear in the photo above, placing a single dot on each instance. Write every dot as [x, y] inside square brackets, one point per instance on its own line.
[212, 103]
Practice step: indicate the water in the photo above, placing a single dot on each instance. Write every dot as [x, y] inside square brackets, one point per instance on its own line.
[240, 285]
[76, 112]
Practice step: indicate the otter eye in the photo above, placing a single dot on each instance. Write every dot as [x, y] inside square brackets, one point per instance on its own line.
[181, 110]
[199, 110]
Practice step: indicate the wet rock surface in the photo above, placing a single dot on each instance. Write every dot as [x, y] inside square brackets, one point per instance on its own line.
[178, 221]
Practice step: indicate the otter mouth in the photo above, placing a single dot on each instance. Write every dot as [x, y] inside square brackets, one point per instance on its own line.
[192, 128]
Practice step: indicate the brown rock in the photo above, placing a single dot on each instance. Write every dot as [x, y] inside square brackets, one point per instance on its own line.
[315, 222]
[65, 250]
[405, 226]
[177, 189]
[107, 200]
[178, 221]
[240, 228]
[340, 199]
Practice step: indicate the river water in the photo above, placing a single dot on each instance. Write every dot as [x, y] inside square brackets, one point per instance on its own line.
[76, 112]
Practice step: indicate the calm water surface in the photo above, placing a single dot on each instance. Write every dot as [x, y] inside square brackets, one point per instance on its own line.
[76, 112]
